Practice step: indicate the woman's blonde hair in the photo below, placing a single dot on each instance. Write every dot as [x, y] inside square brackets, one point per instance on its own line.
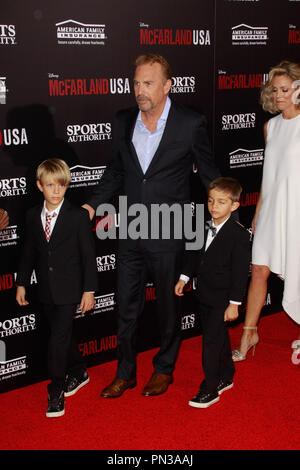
[292, 70]
[55, 168]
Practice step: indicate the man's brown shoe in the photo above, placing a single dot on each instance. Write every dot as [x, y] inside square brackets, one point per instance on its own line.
[157, 384]
[117, 388]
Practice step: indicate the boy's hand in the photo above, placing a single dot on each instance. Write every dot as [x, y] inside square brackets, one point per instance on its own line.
[87, 302]
[20, 296]
[179, 287]
[90, 210]
[231, 312]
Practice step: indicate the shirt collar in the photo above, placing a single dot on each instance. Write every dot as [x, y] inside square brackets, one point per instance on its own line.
[218, 227]
[56, 210]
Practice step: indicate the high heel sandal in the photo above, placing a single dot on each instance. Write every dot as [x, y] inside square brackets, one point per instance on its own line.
[237, 355]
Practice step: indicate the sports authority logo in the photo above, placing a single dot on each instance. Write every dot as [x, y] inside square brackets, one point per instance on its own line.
[18, 325]
[8, 236]
[85, 176]
[87, 86]
[294, 35]
[7, 34]
[183, 85]
[72, 32]
[188, 322]
[245, 158]
[89, 132]
[11, 367]
[245, 35]
[173, 37]
[240, 80]
[106, 262]
[238, 121]
[13, 187]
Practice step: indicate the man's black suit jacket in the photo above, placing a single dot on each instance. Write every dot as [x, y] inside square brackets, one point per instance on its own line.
[167, 179]
[223, 269]
[66, 265]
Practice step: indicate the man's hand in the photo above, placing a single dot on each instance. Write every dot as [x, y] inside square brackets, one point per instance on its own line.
[231, 312]
[90, 210]
[87, 302]
[179, 288]
[20, 296]
[4, 219]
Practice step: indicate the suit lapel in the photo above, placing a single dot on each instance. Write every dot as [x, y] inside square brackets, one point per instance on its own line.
[128, 137]
[219, 236]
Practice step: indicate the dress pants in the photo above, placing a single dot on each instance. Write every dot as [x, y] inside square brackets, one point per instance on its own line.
[134, 266]
[216, 349]
[64, 356]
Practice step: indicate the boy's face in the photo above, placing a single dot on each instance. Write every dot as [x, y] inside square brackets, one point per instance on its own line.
[220, 205]
[53, 191]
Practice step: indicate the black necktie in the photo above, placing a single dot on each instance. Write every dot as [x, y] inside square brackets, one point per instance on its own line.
[210, 227]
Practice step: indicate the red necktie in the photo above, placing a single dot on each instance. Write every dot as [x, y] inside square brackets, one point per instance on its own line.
[48, 225]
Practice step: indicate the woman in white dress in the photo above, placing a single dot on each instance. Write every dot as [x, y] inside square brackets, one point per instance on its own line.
[276, 223]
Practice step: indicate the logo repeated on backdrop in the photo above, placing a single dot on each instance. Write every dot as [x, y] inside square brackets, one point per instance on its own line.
[10, 137]
[89, 132]
[238, 121]
[7, 34]
[10, 368]
[173, 37]
[3, 90]
[72, 32]
[13, 187]
[82, 175]
[183, 85]
[87, 86]
[245, 35]
[8, 236]
[245, 158]
[240, 80]
[294, 34]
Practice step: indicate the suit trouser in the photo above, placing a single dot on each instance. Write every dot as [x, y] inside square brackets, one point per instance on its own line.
[216, 349]
[64, 356]
[134, 266]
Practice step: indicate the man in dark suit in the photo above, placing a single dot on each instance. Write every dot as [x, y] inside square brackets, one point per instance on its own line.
[222, 269]
[60, 247]
[154, 148]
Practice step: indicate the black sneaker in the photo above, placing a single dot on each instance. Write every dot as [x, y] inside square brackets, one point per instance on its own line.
[56, 406]
[224, 385]
[204, 399]
[73, 384]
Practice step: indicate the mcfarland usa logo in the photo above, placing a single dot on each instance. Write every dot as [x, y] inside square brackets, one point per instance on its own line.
[85, 176]
[245, 35]
[173, 37]
[89, 132]
[87, 86]
[240, 80]
[7, 34]
[245, 158]
[15, 136]
[72, 32]
[294, 35]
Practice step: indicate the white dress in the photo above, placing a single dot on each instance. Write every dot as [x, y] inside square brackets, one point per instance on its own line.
[277, 235]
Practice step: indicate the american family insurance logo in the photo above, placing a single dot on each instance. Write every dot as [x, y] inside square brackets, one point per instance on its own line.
[10, 367]
[245, 35]
[173, 37]
[3, 90]
[74, 33]
[85, 176]
[245, 158]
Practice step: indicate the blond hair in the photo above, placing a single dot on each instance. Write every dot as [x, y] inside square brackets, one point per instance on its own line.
[55, 168]
[285, 67]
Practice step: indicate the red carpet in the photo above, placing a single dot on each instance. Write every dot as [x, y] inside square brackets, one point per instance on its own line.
[260, 412]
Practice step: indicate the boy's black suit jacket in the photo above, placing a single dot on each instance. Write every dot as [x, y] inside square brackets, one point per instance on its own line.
[222, 270]
[66, 265]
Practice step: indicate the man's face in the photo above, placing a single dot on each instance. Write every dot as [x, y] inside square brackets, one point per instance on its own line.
[150, 87]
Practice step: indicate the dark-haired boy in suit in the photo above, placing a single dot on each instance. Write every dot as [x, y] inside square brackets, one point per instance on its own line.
[222, 268]
[60, 247]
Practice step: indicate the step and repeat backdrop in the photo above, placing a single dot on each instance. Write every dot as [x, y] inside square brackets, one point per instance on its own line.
[65, 70]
